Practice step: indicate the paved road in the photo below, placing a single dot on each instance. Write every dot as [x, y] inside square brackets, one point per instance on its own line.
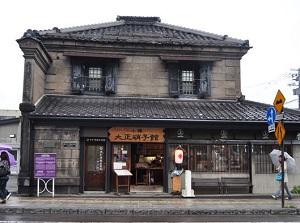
[123, 218]
[143, 204]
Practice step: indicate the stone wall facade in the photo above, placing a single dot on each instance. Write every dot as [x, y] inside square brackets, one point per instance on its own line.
[52, 139]
[146, 76]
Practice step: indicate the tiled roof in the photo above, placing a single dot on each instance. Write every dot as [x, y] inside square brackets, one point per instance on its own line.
[130, 29]
[154, 109]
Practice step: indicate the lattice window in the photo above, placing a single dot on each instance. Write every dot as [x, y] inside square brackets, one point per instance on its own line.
[94, 76]
[262, 160]
[187, 85]
[95, 80]
[216, 158]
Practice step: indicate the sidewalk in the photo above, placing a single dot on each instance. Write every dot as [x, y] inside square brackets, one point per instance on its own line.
[150, 204]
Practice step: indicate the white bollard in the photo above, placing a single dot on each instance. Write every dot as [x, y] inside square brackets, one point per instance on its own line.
[188, 191]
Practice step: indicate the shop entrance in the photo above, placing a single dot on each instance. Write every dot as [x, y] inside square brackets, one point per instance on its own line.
[144, 161]
[95, 163]
[147, 167]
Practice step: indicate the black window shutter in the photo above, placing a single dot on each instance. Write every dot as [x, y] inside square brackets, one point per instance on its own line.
[78, 82]
[205, 80]
[111, 71]
[173, 79]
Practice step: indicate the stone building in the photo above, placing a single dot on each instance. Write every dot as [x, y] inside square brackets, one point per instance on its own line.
[127, 94]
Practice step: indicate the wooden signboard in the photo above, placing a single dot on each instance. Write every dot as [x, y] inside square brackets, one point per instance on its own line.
[123, 173]
[134, 134]
[176, 183]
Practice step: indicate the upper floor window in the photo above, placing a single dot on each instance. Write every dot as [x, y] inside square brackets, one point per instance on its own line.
[90, 75]
[95, 79]
[190, 79]
[187, 82]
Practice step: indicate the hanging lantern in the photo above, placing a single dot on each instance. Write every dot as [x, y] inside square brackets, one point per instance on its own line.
[178, 156]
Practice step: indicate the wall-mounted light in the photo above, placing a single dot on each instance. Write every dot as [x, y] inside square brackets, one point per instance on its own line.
[12, 136]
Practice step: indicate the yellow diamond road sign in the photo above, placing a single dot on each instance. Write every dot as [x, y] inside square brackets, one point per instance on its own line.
[279, 101]
[279, 132]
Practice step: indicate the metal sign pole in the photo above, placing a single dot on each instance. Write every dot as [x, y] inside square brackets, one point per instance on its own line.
[282, 169]
[38, 187]
[282, 173]
[280, 133]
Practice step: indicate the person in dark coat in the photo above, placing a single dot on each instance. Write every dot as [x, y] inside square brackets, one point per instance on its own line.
[4, 177]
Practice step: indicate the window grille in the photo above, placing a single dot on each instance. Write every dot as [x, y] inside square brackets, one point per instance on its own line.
[262, 161]
[198, 158]
[232, 158]
[187, 85]
[239, 158]
[95, 79]
[93, 75]
[216, 158]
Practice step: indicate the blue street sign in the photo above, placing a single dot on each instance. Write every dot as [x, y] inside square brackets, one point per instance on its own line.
[271, 115]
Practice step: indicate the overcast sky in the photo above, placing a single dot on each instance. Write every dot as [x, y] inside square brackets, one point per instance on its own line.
[271, 26]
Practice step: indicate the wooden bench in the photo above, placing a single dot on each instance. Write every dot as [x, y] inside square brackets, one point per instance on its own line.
[239, 182]
[207, 182]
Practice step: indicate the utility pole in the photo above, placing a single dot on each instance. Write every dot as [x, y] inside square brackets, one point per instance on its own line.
[296, 91]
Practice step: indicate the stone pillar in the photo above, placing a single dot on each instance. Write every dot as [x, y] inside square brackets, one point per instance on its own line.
[25, 177]
[37, 61]
[188, 191]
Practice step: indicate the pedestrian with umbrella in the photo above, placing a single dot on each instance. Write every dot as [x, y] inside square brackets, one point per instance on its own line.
[6, 162]
[291, 164]
[4, 172]
[7, 148]
[283, 171]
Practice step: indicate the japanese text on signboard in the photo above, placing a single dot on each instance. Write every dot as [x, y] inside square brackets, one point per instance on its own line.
[128, 134]
[45, 165]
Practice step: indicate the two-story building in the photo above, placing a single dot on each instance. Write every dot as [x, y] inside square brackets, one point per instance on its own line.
[126, 94]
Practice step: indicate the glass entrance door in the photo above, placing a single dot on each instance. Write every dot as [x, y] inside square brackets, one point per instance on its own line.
[95, 168]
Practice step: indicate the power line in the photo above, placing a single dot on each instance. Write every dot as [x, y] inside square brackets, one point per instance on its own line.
[291, 101]
[275, 81]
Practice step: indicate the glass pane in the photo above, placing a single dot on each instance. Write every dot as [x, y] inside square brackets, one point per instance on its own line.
[121, 156]
[187, 82]
[96, 157]
[263, 163]
[96, 79]
[239, 158]
[219, 155]
[198, 159]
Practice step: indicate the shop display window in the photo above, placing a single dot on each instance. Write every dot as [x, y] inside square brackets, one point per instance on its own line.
[215, 158]
[261, 158]
[121, 156]
[219, 158]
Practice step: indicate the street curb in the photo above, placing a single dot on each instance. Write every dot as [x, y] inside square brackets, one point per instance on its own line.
[157, 196]
[145, 212]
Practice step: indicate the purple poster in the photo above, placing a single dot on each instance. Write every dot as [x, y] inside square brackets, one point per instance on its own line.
[44, 165]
